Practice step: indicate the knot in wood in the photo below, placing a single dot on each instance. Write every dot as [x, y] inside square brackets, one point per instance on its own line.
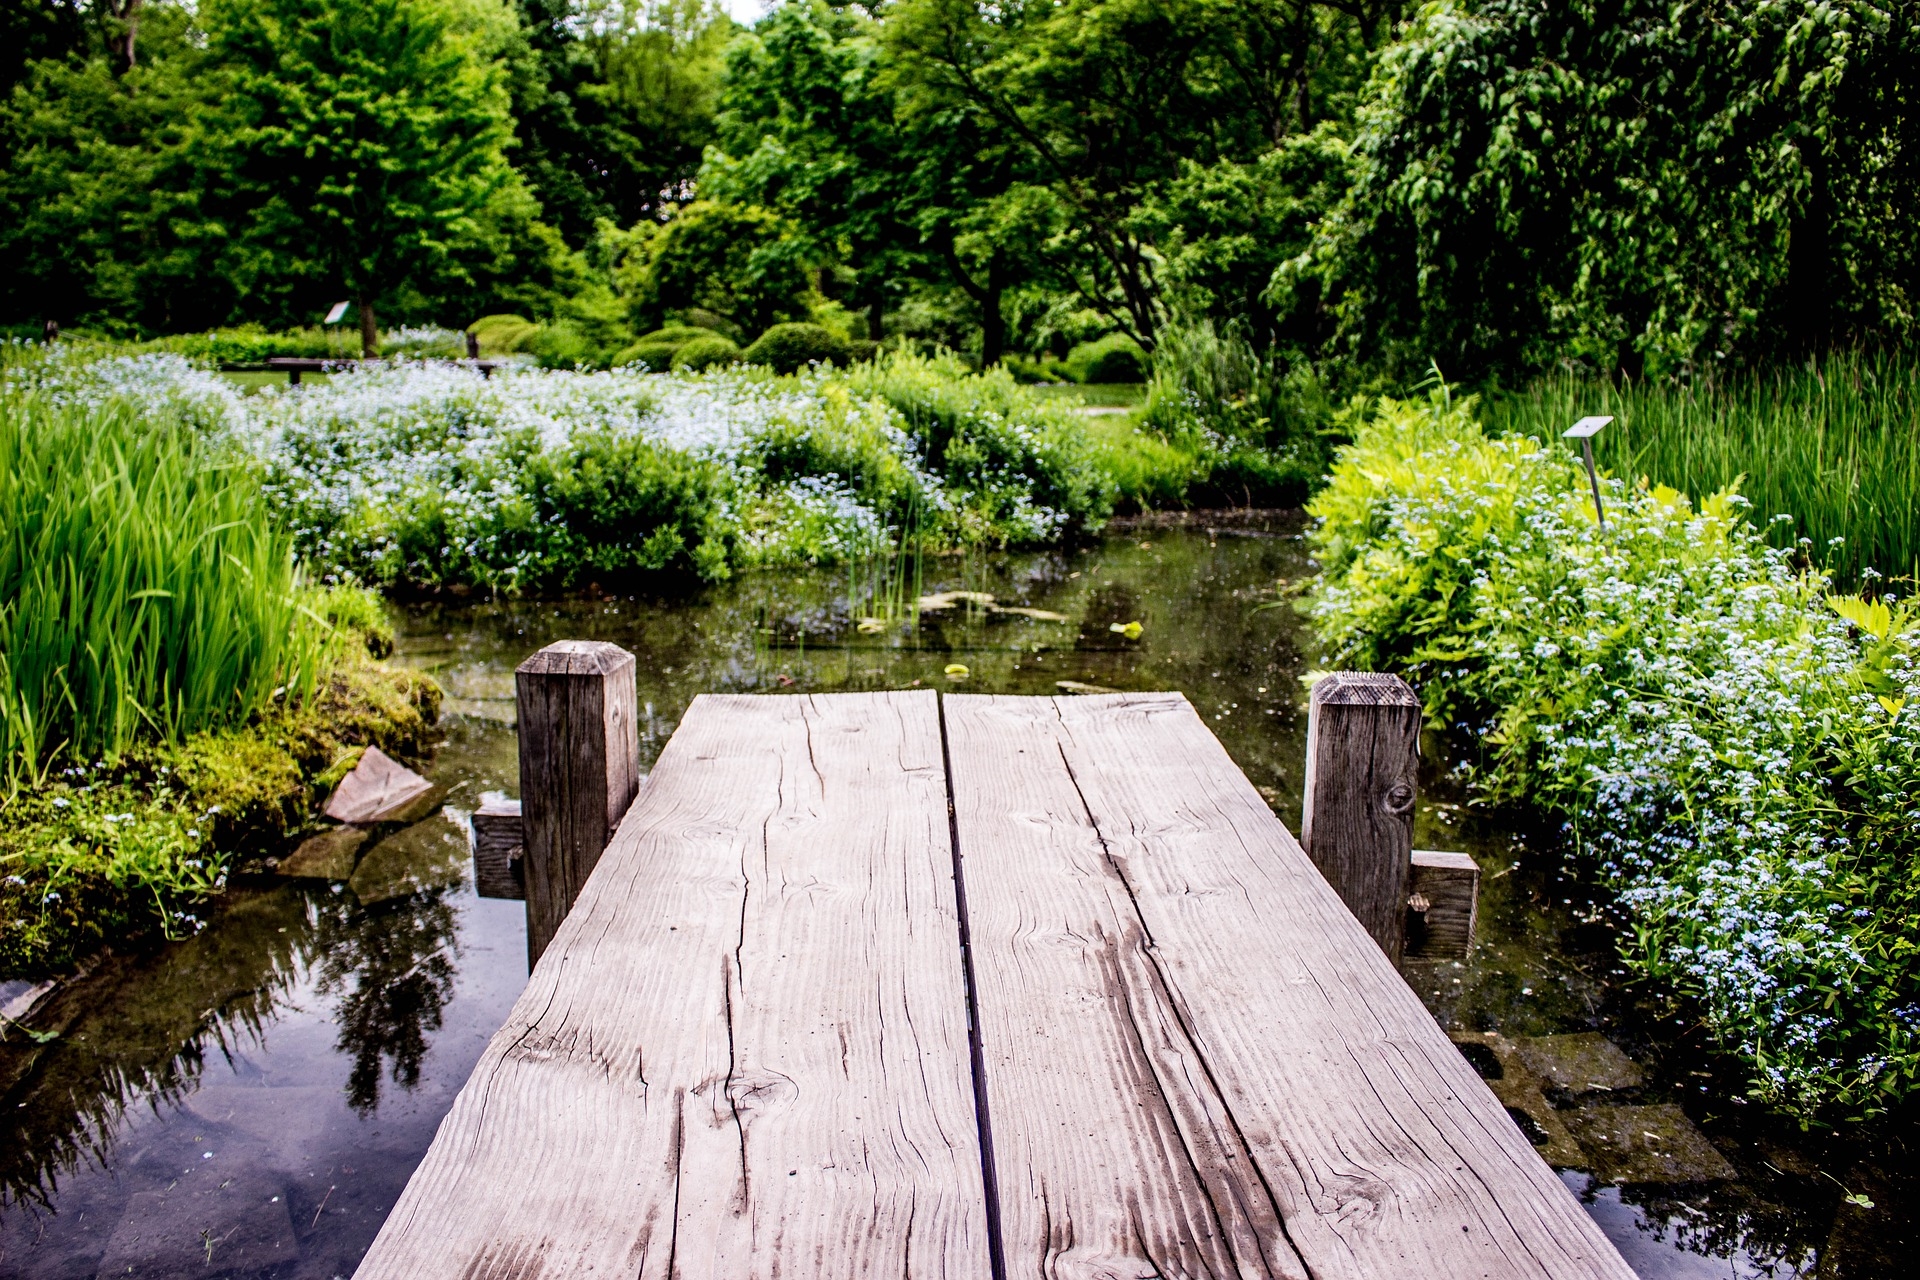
[1399, 798]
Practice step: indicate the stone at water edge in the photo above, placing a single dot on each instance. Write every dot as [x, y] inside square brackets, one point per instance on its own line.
[380, 789]
[330, 855]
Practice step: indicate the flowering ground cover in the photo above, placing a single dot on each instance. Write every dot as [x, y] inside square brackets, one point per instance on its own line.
[1734, 746]
[420, 475]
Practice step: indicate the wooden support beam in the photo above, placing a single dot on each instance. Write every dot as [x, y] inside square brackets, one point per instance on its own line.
[1442, 905]
[499, 850]
[1363, 762]
[579, 770]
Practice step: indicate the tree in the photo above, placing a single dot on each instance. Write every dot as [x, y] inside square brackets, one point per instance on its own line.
[1106, 100]
[807, 128]
[1632, 186]
[355, 144]
[615, 104]
[740, 262]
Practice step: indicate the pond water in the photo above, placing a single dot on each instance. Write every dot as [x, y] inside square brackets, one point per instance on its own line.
[251, 1101]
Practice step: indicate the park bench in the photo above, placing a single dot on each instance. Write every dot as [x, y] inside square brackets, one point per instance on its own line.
[294, 366]
[907, 984]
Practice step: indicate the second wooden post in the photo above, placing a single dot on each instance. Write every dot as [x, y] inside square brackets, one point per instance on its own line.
[579, 770]
[1363, 761]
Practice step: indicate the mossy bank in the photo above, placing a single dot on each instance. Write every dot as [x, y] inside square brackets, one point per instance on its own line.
[135, 850]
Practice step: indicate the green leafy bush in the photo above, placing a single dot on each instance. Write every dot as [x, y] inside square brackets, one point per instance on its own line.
[702, 354]
[1114, 358]
[656, 350]
[1258, 429]
[502, 335]
[1735, 748]
[787, 347]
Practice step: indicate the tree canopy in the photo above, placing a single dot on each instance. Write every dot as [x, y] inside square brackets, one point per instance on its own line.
[1498, 187]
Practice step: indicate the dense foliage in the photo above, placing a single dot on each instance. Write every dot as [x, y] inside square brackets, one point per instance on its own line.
[1735, 747]
[425, 476]
[1357, 190]
[1834, 443]
[140, 597]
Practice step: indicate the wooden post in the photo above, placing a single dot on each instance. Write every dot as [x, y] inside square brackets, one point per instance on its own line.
[1363, 759]
[1442, 904]
[579, 770]
[499, 850]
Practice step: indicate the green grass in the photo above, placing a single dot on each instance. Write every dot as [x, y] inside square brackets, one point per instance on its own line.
[1834, 443]
[143, 593]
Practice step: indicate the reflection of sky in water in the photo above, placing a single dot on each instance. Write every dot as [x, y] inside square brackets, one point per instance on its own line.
[274, 1081]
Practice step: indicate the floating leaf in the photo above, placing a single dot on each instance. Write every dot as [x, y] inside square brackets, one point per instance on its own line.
[955, 671]
[1131, 630]
[868, 626]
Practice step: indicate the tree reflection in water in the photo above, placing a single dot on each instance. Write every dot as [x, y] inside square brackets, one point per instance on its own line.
[392, 968]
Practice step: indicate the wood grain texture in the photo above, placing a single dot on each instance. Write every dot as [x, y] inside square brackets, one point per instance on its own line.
[745, 1053]
[1449, 884]
[498, 849]
[579, 770]
[1196, 1062]
[1363, 765]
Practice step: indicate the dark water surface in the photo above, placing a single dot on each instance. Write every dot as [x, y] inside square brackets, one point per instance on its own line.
[251, 1102]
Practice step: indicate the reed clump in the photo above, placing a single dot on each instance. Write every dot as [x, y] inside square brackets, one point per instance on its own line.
[144, 594]
[1833, 442]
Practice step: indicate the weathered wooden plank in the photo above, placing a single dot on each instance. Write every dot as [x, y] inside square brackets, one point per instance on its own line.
[745, 1052]
[1196, 1061]
[1363, 765]
[579, 769]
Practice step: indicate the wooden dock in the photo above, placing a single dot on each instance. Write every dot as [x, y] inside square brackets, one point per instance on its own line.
[903, 985]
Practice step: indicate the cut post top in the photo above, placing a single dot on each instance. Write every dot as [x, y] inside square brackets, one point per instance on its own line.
[1363, 689]
[1586, 427]
[576, 658]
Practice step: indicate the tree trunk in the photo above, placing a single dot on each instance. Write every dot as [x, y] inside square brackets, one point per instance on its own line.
[369, 333]
[993, 322]
[876, 312]
[1809, 263]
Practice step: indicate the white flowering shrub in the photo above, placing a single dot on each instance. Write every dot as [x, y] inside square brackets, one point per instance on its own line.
[426, 475]
[1735, 747]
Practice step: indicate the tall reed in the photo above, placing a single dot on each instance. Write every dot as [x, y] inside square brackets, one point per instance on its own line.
[1833, 442]
[144, 593]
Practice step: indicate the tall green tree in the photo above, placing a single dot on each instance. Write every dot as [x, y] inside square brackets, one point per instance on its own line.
[1108, 100]
[806, 126]
[357, 144]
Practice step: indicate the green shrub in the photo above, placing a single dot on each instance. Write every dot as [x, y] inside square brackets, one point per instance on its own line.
[1257, 429]
[787, 347]
[143, 592]
[1114, 358]
[502, 335]
[704, 353]
[657, 349]
[606, 505]
[1018, 465]
[1736, 749]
